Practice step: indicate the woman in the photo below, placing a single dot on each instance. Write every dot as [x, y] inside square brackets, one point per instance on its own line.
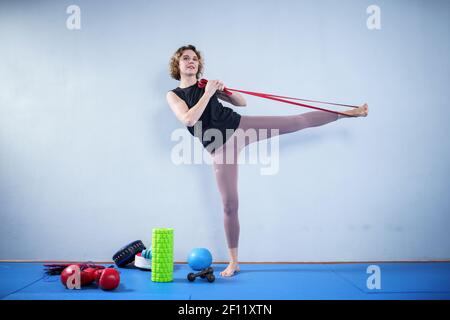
[200, 108]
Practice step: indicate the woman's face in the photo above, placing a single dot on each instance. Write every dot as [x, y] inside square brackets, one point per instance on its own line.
[188, 63]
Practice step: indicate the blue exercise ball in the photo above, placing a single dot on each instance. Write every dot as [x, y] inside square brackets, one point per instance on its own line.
[199, 258]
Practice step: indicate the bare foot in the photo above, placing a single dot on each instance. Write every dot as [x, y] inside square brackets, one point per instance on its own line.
[232, 268]
[362, 111]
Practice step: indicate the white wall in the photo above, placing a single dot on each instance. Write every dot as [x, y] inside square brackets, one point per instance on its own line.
[85, 148]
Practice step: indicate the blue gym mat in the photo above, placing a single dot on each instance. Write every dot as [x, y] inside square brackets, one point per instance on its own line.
[399, 281]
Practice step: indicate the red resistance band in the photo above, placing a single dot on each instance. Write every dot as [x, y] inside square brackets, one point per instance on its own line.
[202, 84]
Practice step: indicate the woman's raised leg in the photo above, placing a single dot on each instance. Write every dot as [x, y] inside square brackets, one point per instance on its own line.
[266, 126]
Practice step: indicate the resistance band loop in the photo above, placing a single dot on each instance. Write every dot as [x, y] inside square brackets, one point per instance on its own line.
[202, 84]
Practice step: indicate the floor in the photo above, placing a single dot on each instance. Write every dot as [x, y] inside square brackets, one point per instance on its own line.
[399, 281]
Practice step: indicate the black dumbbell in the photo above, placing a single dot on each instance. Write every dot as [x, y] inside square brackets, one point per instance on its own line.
[207, 273]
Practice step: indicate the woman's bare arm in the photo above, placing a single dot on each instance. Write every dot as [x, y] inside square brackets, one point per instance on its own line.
[188, 117]
[236, 99]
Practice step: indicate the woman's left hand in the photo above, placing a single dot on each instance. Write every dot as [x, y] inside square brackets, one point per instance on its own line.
[221, 85]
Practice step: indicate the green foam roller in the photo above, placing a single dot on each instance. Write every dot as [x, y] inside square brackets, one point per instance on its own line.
[165, 255]
[162, 262]
[163, 243]
[157, 232]
[163, 274]
[162, 232]
[162, 267]
[162, 236]
[163, 250]
[162, 258]
[155, 268]
[162, 255]
[163, 246]
[158, 269]
[162, 279]
[165, 237]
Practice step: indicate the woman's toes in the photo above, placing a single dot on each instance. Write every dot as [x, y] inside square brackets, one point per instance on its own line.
[230, 271]
[225, 273]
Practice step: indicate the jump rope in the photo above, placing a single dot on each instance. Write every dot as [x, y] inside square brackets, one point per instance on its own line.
[202, 84]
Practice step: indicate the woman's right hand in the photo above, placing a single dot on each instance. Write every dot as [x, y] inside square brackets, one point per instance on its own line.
[212, 86]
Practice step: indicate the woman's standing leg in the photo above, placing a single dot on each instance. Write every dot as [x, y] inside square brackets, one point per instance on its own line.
[226, 171]
[227, 181]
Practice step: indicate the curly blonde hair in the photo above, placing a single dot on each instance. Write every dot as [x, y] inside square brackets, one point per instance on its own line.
[175, 62]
